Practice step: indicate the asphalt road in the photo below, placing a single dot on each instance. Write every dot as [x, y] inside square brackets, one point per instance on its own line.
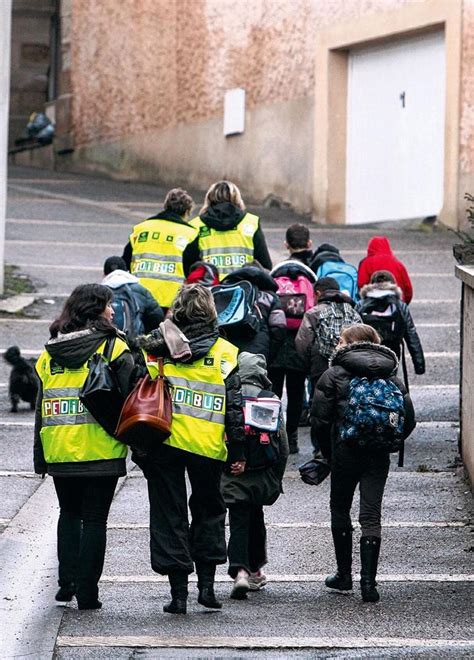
[60, 229]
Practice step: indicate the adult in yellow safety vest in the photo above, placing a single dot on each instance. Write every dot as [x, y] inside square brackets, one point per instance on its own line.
[229, 236]
[162, 248]
[71, 446]
[207, 433]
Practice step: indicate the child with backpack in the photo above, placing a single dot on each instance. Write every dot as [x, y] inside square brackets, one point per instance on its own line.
[382, 307]
[327, 262]
[245, 494]
[295, 282]
[361, 412]
[136, 311]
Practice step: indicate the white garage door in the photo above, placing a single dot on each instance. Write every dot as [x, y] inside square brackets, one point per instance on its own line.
[395, 130]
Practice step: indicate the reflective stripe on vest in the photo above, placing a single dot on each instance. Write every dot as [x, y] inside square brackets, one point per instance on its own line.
[199, 400]
[228, 250]
[69, 433]
[157, 256]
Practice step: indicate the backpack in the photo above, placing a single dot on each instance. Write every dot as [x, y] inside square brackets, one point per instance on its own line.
[333, 318]
[375, 415]
[236, 306]
[127, 315]
[295, 291]
[344, 274]
[385, 316]
[262, 444]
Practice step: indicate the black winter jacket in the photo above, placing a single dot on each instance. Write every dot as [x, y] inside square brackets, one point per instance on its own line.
[201, 338]
[325, 252]
[393, 294]
[191, 251]
[330, 397]
[72, 350]
[225, 216]
[272, 331]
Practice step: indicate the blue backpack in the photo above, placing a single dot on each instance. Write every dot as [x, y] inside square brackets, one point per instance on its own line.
[375, 415]
[344, 274]
[127, 315]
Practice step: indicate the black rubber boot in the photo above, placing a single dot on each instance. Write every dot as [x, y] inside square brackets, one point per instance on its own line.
[179, 593]
[66, 592]
[206, 574]
[293, 441]
[369, 558]
[342, 580]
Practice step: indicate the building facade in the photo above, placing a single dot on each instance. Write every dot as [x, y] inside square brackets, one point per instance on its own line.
[354, 110]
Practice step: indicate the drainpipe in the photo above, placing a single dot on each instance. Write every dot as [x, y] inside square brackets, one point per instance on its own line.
[5, 36]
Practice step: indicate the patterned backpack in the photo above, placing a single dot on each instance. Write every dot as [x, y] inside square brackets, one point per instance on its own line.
[375, 415]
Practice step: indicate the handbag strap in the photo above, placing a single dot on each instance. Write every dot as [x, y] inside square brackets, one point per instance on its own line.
[161, 372]
[109, 348]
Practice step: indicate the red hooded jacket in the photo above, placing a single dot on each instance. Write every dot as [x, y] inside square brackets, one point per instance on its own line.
[380, 257]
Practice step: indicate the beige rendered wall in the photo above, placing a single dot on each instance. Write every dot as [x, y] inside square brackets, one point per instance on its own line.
[466, 138]
[148, 86]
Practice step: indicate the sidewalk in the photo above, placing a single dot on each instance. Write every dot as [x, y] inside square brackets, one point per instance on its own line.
[60, 230]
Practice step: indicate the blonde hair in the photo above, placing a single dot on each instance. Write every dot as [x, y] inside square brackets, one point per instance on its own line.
[223, 191]
[193, 304]
[360, 332]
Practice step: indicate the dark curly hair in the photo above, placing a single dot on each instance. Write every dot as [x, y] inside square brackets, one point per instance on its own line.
[178, 201]
[83, 309]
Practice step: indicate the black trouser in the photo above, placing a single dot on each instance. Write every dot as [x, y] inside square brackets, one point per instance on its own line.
[295, 382]
[174, 544]
[248, 536]
[350, 467]
[82, 531]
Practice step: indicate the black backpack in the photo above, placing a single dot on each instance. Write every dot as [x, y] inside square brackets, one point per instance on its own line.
[262, 448]
[127, 315]
[385, 316]
[237, 309]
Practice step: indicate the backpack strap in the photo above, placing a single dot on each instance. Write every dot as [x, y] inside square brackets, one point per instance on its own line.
[109, 348]
[401, 453]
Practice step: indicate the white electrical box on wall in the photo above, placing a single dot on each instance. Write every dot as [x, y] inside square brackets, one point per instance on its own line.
[234, 111]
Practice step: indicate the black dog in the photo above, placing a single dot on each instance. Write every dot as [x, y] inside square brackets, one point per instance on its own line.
[23, 383]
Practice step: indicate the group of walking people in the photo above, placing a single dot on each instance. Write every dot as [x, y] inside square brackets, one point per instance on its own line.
[303, 323]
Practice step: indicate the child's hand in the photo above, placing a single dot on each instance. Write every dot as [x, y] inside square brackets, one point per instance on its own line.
[237, 468]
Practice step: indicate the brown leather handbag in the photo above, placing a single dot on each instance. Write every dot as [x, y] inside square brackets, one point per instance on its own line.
[146, 414]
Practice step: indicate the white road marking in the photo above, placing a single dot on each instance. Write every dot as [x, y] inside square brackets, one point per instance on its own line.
[432, 424]
[452, 386]
[320, 525]
[5, 423]
[435, 301]
[97, 269]
[442, 354]
[112, 246]
[311, 577]
[16, 320]
[437, 325]
[72, 224]
[202, 642]
[4, 521]
[25, 475]
[38, 180]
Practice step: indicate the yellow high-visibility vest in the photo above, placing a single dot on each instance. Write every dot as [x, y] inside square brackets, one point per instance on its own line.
[69, 433]
[157, 256]
[230, 249]
[199, 400]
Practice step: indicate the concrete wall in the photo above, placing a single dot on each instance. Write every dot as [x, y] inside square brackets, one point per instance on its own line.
[466, 274]
[146, 84]
[30, 59]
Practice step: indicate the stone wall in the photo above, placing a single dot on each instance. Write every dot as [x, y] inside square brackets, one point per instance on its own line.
[466, 274]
